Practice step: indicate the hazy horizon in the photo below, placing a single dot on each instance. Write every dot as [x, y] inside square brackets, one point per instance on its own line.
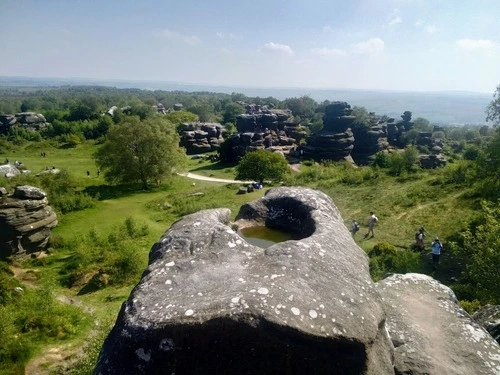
[438, 107]
[389, 45]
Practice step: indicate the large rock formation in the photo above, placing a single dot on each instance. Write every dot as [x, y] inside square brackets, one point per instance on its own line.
[369, 138]
[25, 222]
[210, 302]
[200, 137]
[335, 141]
[261, 128]
[431, 333]
[27, 120]
[488, 317]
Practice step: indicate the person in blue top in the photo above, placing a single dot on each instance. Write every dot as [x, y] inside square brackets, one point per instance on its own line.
[436, 247]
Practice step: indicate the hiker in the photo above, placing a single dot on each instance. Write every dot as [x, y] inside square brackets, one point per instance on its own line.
[419, 238]
[436, 247]
[354, 227]
[371, 224]
[88, 173]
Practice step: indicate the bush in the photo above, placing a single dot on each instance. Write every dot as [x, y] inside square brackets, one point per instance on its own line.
[262, 165]
[470, 306]
[385, 258]
[101, 260]
[30, 317]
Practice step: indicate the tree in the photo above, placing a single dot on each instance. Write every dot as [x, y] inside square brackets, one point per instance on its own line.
[480, 247]
[204, 111]
[231, 111]
[422, 124]
[493, 109]
[303, 107]
[361, 114]
[140, 151]
[262, 165]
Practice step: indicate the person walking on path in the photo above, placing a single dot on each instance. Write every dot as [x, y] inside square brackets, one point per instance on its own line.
[436, 247]
[354, 227]
[371, 224]
[419, 238]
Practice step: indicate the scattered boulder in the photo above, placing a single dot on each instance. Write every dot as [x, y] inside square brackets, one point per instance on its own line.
[431, 333]
[432, 161]
[28, 120]
[210, 302]
[9, 171]
[489, 318]
[26, 220]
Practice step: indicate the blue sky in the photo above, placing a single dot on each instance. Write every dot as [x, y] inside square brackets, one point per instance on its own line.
[422, 45]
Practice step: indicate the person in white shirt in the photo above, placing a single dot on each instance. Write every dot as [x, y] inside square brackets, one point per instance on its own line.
[371, 224]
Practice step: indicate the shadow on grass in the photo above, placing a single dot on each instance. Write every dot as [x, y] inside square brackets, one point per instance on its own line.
[215, 166]
[104, 192]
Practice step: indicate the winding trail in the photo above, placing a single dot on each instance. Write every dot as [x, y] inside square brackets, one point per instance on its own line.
[212, 179]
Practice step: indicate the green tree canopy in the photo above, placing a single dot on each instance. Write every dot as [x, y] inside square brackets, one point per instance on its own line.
[493, 110]
[140, 151]
[262, 165]
[231, 111]
[422, 124]
[302, 107]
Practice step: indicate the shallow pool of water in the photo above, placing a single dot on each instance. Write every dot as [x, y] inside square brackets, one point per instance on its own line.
[263, 236]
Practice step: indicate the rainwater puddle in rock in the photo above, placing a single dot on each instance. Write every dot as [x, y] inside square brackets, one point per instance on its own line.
[263, 236]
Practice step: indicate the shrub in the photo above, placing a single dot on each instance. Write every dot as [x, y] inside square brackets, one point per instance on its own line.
[470, 306]
[101, 260]
[385, 258]
[262, 165]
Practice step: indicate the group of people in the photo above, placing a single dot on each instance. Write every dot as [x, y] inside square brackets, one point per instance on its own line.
[436, 246]
[371, 224]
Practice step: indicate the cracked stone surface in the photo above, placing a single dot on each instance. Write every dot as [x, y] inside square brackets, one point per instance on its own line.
[209, 302]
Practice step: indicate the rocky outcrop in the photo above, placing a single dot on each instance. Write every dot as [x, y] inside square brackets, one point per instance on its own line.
[26, 220]
[369, 138]
[432, 161]
[431, 333]
[210, 302]
[335, 141]
[9, 170]
[488, 317]
[201, 137]
[261, 128]
[27, 120]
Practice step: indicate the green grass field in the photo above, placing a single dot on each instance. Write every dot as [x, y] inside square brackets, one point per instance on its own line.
[402, 205]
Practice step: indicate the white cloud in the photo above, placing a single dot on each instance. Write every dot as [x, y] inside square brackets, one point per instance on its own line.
[473, 44]
[372, 46]
[226, 35]
[276, 47]
[328, 51]
[327, 29]
[431, 29]
[395, 20]
[174, 35]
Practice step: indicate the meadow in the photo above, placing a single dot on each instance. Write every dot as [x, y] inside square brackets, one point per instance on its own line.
[98, 253]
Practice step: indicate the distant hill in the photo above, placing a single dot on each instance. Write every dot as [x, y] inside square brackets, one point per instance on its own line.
[444, 108]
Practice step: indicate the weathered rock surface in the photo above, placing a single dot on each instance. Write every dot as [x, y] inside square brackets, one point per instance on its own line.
[262, 127]
[488, 317]
[26, 220]
[27, 120]
[9, 170]
[432, 161]
[201, 137]
[210, 302]
[335, 141]
[431, 333]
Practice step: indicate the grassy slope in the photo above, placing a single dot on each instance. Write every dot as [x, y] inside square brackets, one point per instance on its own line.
[401, 207]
